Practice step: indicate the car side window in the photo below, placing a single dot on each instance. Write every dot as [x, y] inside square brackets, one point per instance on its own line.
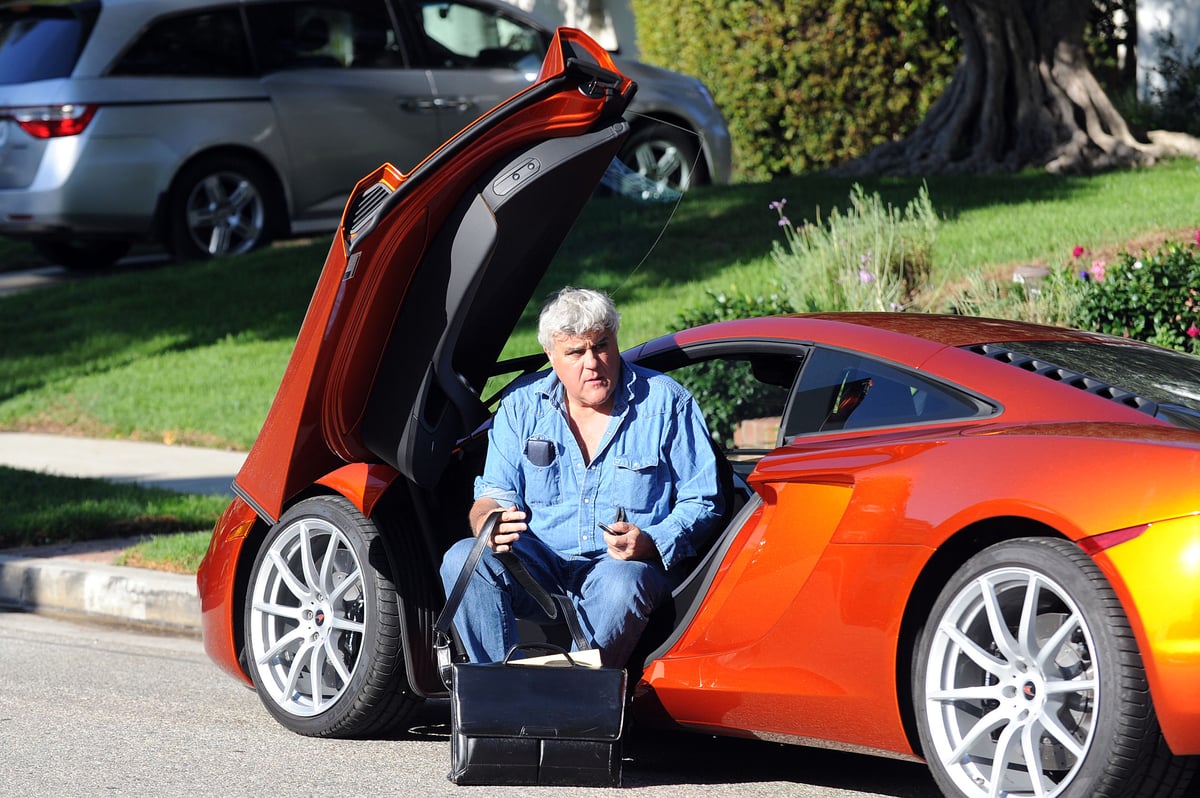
[324, 35]
[208, 44]
[742, 397]
[463, 36]
[845, 391]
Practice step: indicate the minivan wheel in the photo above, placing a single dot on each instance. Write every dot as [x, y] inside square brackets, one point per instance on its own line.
[222, 205]
[82, 253]
[665, 156]
[1028, 681]
[323, 639]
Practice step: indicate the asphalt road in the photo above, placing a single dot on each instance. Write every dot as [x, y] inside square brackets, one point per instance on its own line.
[90, 710]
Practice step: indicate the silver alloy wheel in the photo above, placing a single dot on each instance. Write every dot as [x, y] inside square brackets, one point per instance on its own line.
[225, 214]
[663, 164]
[307, 617]
[1012, 679]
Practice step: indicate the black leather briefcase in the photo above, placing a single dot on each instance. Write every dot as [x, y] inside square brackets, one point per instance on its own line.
[536, 724]
[524, 724]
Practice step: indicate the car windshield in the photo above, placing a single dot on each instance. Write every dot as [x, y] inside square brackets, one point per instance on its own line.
[40, 41]
[1169, 378]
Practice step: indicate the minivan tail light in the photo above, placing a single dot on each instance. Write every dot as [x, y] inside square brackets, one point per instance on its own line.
[53, 121]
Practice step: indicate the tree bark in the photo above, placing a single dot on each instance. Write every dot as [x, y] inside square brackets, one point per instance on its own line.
[1022, 96]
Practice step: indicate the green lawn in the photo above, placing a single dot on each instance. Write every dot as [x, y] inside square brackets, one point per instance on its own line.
[192, 353]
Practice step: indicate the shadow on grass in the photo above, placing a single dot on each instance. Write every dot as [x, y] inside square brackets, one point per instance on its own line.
[40, 509]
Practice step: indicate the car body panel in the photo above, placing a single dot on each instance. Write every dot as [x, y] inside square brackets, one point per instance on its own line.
[1156, 574]
[850, 523]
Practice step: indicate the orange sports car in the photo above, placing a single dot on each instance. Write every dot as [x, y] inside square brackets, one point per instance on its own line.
[973, 542]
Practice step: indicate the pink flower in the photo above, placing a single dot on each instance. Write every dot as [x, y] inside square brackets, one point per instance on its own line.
[1198, 238]
[1078, 251]
[1097, 270]
[1193, 331]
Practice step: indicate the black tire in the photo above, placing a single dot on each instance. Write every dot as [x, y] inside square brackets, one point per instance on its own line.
[222, 205]
[338, 606]
[82, 253]
[1059, 677]
[664, 157]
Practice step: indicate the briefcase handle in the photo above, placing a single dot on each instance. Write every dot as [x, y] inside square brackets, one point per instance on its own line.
[552, 605]
[547, 647]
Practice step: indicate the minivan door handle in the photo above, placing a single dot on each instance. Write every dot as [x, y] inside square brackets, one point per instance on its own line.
[427, 105]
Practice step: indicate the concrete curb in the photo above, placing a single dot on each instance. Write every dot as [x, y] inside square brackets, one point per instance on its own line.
[167, 602]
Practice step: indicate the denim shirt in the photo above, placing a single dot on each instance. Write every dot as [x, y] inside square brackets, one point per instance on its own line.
[655, 461]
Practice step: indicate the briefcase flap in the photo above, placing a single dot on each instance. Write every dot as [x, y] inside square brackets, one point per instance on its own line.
[571, 703]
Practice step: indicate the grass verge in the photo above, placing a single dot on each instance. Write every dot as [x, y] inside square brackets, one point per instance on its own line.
[41, 509]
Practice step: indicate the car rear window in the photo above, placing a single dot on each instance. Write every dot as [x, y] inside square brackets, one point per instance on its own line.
[41, 41]
[1168, 378]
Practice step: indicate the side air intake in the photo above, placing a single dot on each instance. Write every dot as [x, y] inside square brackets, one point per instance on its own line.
[368, 203]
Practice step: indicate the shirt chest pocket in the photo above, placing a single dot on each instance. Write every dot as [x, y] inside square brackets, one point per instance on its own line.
[636, 482]
[542, 480]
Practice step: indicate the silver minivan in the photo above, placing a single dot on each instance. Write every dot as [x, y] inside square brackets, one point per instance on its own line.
[213, 127]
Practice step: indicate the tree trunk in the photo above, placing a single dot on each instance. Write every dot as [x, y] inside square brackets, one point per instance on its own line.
[1022, 96]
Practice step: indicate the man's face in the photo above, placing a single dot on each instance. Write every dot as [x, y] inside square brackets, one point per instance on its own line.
[588, 366]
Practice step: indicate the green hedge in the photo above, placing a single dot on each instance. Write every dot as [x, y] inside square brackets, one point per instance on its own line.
[805, 84]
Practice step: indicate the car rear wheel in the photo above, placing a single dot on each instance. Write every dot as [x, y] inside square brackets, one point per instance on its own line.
[1029, 680]
[222, 205]
[664, 156]
[82, 253]
[322, 627]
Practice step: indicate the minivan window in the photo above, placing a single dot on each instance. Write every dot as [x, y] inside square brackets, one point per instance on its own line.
[348, 34]
[462, 36]
[41, 42]
[209, 44]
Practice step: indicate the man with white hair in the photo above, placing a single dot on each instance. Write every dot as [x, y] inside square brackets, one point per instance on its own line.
[596, 442]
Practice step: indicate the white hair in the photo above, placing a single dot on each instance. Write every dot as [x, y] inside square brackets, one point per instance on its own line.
[576, 311]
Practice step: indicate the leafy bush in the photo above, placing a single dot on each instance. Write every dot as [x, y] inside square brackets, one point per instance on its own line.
[805, 84]
[870, 257]
[1153, 298]
[1150, 297]
[724, 389]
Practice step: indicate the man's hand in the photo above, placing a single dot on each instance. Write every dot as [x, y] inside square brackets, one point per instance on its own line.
[627, 542]
[508, 531]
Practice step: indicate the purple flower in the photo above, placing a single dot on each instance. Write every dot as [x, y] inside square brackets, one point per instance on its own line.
[784, 221]
[777, 205]
[865, 277]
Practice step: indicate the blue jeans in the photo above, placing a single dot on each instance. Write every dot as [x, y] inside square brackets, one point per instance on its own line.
[613, 598]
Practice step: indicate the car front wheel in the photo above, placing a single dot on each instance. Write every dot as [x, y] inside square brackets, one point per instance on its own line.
[222, 205]
[1028, 680]
[323, 638]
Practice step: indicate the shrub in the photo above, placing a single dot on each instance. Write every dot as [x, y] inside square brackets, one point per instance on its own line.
[870, 257]
[805, 84]
[1153, 297]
